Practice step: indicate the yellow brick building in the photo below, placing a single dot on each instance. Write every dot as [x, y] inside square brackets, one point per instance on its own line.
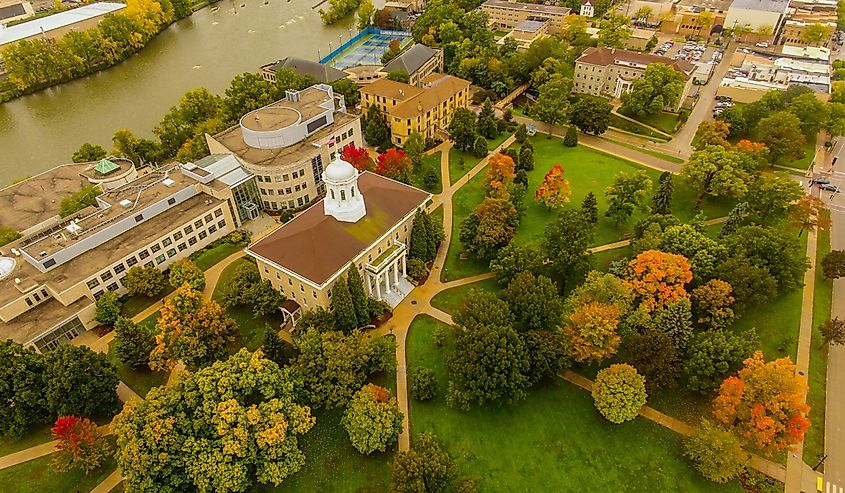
[425, 110]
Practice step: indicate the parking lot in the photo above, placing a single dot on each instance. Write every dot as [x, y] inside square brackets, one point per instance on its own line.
[689, 51]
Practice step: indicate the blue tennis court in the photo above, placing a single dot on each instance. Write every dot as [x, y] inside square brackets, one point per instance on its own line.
[367, 50]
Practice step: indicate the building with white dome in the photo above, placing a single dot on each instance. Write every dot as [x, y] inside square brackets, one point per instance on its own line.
[364, 222]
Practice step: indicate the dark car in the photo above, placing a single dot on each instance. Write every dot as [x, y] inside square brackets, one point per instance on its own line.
[819, 181]
[827, 187]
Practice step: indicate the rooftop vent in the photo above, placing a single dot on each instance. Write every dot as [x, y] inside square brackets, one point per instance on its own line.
[168, 182]
[74, 228]
[16, 252]
[292, 96]
[126, 203]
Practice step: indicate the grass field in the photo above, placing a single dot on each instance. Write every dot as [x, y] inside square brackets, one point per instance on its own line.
[36, 476]
[429, 162]
[809, 154]
[629, 126]
[450, 299]
[659, 155]
[35, 435]
[662, 121]
[554, 440]
[587, 170]
[814, 440]
[456, 170]
[213, 255]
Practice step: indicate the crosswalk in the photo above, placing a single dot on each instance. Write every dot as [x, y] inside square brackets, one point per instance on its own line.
[833, 488]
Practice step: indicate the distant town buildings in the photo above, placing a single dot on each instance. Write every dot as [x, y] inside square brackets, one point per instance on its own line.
[763, 17]
[587, 9]
[425, 110]
[808, 15]
[753, 74]
[287, 144]
[506, 15]
[611, 72]
[56, 25]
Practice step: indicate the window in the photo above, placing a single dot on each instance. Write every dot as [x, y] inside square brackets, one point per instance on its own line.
[139, 218]
[332, 192]
[306, 198]
[288, 190]
[301, 288]
[267, 179]
[105, 276]
[189, 229]
[299, 201]
[278, 276]
[343, 195]
[112, 286]
[269, 191]
[290, 282]
[263, 191]
[155, 248]
[212, 229]
[28, 302]
[260, 179]
[98, 294]
[49, 263]
[222, 224]
[198, 223]
[266, 270]
[44, 294]
[278, 178]
[285, 177]
[37, 298]
[291, 204]
[131, 261]
[143, 254]
[160, 259]
[203, 235]
[192, 240]
[171, 201]
[149, 265]
[314, 294]
[177, 235]
[166, 242]
[171, 253]
[208, 218]
[93, 283]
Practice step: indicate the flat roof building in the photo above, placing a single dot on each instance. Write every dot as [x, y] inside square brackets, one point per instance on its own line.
[758, 16]
[78, 19]
[506, 15]
[13, 10]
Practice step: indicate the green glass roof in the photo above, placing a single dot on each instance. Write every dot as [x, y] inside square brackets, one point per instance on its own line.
[105, 167]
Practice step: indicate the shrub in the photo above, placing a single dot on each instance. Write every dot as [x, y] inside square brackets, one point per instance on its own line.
[571, 138]
[186, 272]
[416, 269]
[716, 453]
[423, 385]
[78, 201]
[619, 393]
[372, 419]
[108, 308]
[8, 235]
[430, 179]
[144, 281]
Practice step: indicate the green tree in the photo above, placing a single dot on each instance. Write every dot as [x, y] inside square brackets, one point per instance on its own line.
[365, 14]
[414, 147]
[753, 285]
[833, 264]
[552, 104]
[716, 172]
[655, 357]
[274, 347]
[461, 129]
[534, 301]
[619, 393]
[422, 245]
[590, 208]
[186, 272]
[475, 378]
[591, 114]
[571, 137]
[548, 353]
[376, 131]
[399, 75]
[770, 197]
[777, 250]
[526, 156]
[290, 79]
[22, 374]
[346, 316]
[479, 148]
[703, 252]
[661, 201]
[833, 331]
[144, 281]
[676, 322]
[8, 235]
[422, 384]
[659, 87]
[333, 365]
[712, 356]
[521, 133]
[812, 112]
[489, 227]
[614, 31]
[246, 92]
[781, 132]
[482, 308]
[80, 382]
[264, 298]
[486, 124]
[86, 197]
[238, 435]
[178, 124]
[107, 308]
[715, 452]
[88, 152]
[565, 243]
[133, 342]
[628, 193]
[514, 259]
[713, 301]
[735, 218]
[349, 90]
[236, 291]
[355, 284]
[426, 468]
[372, 419]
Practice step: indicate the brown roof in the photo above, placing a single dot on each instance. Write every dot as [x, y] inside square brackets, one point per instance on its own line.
[391, 89]
[37, 199]
[316, 246]
[610, 56]
[35, 322]
[436, 89]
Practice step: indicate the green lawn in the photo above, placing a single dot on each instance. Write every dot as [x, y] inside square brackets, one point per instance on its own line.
[252, 329]
[450, 299]
[587, 170]
[809, 154]
[629, 126]
[134, 305]
[429, 162]
[659, 155]
[141, 380]
[662, 121]
[36, 435]
[554, 440]
[36, 476]
[814, 440]
[213, 255]
[456, 170]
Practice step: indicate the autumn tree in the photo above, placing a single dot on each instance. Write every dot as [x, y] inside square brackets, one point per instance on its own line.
[661, 201]
[475, 378]
[238, 420]
[514, 259]
[133, 342]
[833, 331]
[715, 452]
[764, 404]
[591, 331]
[395, 164]
[833, 264]
[554, 192]
[655, 357]
[357, 157]
[808, 213]
[627, 194]
[80, 445]
[619, 393]
[712, 132]
[192, 330]
[713, 302]
[534, 301]
[425, 468]
[144, 281]
[186, 272]
[500, 174]
[372, 419]
[489, 227]
[604, 288]
[658, 279]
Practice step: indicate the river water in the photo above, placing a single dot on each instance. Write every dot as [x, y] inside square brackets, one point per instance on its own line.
[207, 49]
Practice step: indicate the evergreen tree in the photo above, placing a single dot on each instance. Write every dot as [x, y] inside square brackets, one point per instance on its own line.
[590, 208]
[359, 298]
[346, 317]
[479, 149]
[133, 342]
[676, 322]
[420, 238]
[661, 202]
[521, 133]
[376, 131]
[274, 347]
[486, 124]
[571, 137]
[735, 218]
[435, 235]
[526, 156]
[521, 177]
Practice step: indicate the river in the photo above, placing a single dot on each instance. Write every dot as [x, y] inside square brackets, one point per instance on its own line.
[206, 49]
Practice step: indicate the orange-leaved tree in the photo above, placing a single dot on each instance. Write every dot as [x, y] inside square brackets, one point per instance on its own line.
[395, 164]
[501, 171]
[358, 157]
[808, 213]
[192, 330]
[658, 278]
[765, 404]
[554, 191]
[591, 331]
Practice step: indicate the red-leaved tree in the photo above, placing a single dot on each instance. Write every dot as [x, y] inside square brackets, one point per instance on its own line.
[764, 404]
[358, 157]
[554, 191]
[80, 445]
[395, 164]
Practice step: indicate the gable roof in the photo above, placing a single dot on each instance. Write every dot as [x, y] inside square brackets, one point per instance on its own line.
[412, 59]
[391, 89]
[436, 89]
[612, 56]
[316, 246]
[320, 72]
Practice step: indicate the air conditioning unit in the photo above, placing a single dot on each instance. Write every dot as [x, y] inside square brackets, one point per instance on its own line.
[168, 182]
[16, 252]
[74, 228]
[126, 203]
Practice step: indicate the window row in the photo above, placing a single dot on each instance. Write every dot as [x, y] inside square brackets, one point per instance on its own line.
[37, 297]
[287, 190]
[279, 178]
[290, 204]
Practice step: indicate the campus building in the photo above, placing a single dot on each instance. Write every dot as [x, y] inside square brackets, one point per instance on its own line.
[419, 61]
[505, 15]
[320, 72]
[364, 222]
[286, 144]
[611, 72]
[425, 110]
[761, 17]
[53, 274]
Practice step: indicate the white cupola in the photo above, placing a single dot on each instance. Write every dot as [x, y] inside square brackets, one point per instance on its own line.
[343, 200]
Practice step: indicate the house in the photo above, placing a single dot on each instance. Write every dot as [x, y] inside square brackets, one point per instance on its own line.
[317, 71]
[610, 72]
[286, 144]
[426, 110]
[587, 9]
[364, 222]
[506, 15]
[419, 61]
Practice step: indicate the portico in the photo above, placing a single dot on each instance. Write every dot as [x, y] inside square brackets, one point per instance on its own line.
[385, 276]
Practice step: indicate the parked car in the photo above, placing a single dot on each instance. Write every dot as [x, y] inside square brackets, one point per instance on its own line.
[828, 187]
[819, 181]
[762, 44]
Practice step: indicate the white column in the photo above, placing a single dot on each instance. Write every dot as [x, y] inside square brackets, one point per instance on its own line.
[378, 287]
[404, 265]
[369, 283]
[395, 271]
[387, 280]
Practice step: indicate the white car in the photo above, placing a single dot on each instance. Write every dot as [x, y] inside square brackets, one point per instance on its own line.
[762, 44]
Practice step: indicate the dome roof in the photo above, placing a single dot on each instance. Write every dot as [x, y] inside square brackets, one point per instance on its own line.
[7, 265]
[340, 170]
